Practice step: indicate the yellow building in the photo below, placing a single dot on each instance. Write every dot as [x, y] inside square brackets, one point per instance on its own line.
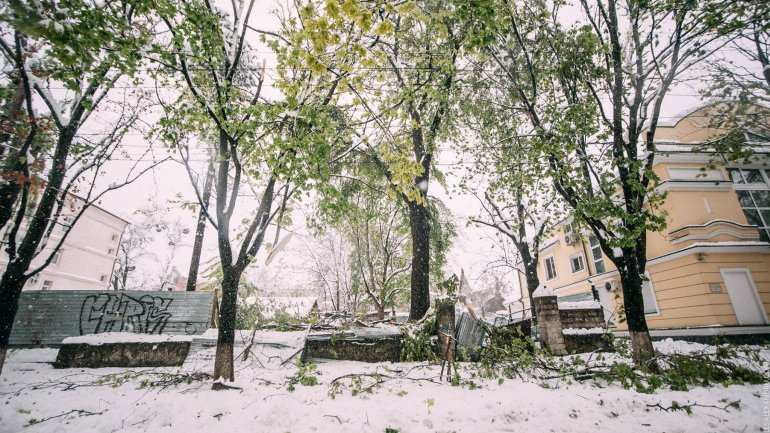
[710, 266]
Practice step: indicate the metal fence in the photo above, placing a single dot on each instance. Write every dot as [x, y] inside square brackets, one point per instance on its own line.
[48, 317]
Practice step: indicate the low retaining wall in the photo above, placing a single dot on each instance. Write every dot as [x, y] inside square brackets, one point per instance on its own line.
[569, 327]
[581, 343]
[81, 355]
[581, 317]
[358, 344]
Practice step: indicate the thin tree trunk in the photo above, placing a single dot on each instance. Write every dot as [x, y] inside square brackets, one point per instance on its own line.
[532, 282]
[419, 223]
[200, 230]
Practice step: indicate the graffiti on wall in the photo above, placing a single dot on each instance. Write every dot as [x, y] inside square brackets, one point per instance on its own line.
[108, 312]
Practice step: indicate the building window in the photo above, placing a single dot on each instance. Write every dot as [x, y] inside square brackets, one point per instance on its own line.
[596, 253]
[34, 279]
[47, 285]
[549, 264]
[103, 278]
[114, 237]
[111, 251]
[577, 263]
[753, 190]
[56, 257]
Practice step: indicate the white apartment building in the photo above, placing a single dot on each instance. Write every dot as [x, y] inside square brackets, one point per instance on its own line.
[87, 257]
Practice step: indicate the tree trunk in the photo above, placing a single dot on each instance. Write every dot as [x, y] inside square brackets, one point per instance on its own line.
[10, 290]
[223, 362]
[381, 311]
[200, 230]
[530, 270]
[633, 304]
[419, 223]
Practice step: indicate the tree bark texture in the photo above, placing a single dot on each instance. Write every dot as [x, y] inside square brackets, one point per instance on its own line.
[200, 230]
[223, 363]
[10, 290]
[419, 222]
[633, 305]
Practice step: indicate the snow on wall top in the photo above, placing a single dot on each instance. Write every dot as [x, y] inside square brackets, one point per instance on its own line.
[125, 337]
[542, 291]
[582, 331]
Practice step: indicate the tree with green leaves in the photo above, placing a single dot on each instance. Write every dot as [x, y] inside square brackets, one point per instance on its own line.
[741, 83]
[67, 59]
[590, 95]
[283, 147]
[378, 230]
[746, 24]
[405, 90]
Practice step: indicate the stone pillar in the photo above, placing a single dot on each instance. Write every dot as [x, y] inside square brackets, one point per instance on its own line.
[549, 323]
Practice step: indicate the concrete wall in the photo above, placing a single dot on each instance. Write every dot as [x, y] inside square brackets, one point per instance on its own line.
[582, 318]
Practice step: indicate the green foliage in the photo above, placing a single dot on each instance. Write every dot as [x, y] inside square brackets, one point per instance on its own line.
[306, 375]
[419, 342]
[249, 313]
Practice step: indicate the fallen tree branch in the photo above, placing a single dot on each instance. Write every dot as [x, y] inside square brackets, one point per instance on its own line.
[736, 404]
[80, 412]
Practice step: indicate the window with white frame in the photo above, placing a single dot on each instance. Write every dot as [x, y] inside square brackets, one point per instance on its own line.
[56, 257]
[34, 279]
[47, 285]
[111, 251]
[752, 185]
[596, 254]
[103, 278]
[577, 263]
[114, 237]
[549, 265]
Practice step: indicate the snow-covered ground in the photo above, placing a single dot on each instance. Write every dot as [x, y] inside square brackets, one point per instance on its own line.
[34, 397]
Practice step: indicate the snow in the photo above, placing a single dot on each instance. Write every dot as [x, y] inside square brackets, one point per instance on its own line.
[542, 291]
[579, 305]
[116, 399]
[582, 331]
[125, 337]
